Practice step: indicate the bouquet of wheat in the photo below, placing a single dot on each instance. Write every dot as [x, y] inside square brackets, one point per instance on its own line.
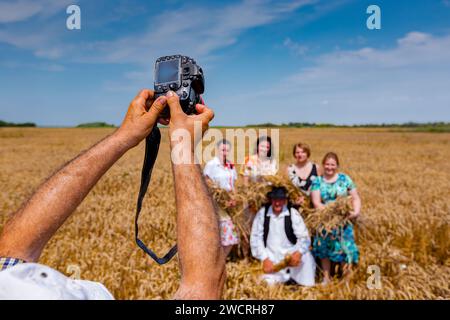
[254, 195]
[333, 215]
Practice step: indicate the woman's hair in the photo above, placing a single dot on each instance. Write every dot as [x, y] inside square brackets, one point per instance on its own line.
[223, 141]
[305, 147]
[262, 139]
[331, 155]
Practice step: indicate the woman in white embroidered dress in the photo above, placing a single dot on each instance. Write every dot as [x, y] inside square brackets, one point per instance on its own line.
[221, 171]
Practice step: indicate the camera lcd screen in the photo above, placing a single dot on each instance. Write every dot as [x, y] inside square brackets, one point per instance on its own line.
[167, 71]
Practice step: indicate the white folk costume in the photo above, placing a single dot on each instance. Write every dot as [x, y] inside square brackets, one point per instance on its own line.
[224, 176]
[278, 246]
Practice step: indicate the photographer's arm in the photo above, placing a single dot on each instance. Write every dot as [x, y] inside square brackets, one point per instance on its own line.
[27, 232]
[201, 257]
[202, 262]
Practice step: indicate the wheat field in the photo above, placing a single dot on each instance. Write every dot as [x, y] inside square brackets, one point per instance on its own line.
[403, 179]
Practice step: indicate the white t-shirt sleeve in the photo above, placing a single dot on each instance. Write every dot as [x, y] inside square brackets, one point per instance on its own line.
[33, 281]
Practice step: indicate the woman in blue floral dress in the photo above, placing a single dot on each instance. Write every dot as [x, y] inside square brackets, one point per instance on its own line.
[339, 245]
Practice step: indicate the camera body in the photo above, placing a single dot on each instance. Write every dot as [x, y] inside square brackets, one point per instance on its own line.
[182, 75]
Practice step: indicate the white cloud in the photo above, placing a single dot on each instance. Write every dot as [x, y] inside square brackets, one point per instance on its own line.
[407, 82]
[30, 25]
[294, 47]
[22, 38]
[53, 68]
[20, 10]
[207, 30]
[39, 43]
[50, 53]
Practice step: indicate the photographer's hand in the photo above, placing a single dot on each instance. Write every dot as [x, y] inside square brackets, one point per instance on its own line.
[140, 119]
[201, 257]
[180, 121]
[27, 232]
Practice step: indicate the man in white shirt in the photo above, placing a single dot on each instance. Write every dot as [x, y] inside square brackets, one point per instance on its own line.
[25, 235]
[278, 231]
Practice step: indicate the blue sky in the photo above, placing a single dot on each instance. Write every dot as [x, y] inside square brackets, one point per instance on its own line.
[264, 61]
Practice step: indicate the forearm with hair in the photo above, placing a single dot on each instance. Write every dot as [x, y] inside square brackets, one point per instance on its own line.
[27, 232]
[201, 256]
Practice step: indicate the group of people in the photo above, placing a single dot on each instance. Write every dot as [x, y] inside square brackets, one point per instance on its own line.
[277, 229]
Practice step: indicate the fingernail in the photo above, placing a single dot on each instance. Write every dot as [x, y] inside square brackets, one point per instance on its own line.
[162, 99]
[170, 94]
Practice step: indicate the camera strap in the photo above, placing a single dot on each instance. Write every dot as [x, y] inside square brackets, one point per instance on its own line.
[151, 152]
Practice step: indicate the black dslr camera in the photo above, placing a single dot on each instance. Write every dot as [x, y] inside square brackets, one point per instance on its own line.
[182, 75]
